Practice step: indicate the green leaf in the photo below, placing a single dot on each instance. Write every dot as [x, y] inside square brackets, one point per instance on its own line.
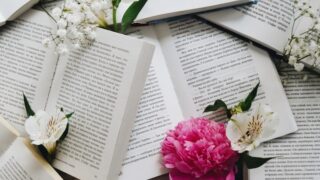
[217, 105]
[115, 3]
[131, 14]
[69, 115]
[65, 133]
[254, 162]
[29, 110]
[245, 105]
[44, 152]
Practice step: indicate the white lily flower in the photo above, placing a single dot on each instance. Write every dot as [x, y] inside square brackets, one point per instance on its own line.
[46, 130]
[246, 132]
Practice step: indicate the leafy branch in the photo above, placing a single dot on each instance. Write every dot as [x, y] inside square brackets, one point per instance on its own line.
[241, 107]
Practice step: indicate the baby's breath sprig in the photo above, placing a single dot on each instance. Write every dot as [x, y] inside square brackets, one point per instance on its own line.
[304, 47]
[78, 20]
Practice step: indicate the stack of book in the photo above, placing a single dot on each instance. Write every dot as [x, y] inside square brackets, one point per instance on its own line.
[127, 91]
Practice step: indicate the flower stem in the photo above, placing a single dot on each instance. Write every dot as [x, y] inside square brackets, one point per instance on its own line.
[114, 18]
[44, 9]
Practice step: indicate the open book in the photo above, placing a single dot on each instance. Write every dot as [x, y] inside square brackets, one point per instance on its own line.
[194, 65]
[102, 84]
[162, 9]
[268, 23]
[298, 153]
[11, 9]
[18, 159]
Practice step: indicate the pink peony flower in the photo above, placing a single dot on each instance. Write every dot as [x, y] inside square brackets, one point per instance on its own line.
[198, 148]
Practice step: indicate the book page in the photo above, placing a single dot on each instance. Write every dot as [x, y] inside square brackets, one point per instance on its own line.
[50, 4]
[7, 135]
[25, 65]
[20, 162]
[297, 154]
[158, 112]
[267, 22]
[207, 64]
[151, 10]
[2, 20]
[13, 8]
[102, 85]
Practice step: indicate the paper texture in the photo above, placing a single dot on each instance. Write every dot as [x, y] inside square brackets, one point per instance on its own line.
[204, 64]
[19, 162]
[11, 9]
[18, 158]
[101, 84]
[151, 10]
[297, 154]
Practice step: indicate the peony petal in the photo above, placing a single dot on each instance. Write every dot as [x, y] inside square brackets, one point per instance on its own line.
[176, 175]
[231, 175]
[183, 167]
[196, 147]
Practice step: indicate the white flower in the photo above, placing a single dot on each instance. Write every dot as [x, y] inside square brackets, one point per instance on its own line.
[96, 6]
[246, 132]
[62, 33]
[62, 23]
[46, 130]
[292, 60]
[56, 12]
[313, 47]
[77, 21]
[92, 35]
[298, 66]
[62, 49]
[46, 42]
[317, 26]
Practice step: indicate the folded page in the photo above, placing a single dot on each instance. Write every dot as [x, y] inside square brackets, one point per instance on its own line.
[21, 162]
[153, 11]
[158, 112]
[26, 65]
[102, 84]
[297, 155]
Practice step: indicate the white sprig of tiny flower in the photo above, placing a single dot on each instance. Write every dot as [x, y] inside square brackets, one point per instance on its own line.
[304, 47]
[77, 22]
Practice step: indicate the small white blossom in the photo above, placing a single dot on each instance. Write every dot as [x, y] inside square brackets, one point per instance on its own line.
[62, 49]
[313, 47]
[62, 23]
[46, 42]
[77, 21]
[304, 47]
[56, 12]
[298, 66]
[62, 33]
[292, 60]
[246, 132]
[46, 130]
[317, 26]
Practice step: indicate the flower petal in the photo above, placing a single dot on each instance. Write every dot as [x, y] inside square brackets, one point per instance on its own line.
[237, 126]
